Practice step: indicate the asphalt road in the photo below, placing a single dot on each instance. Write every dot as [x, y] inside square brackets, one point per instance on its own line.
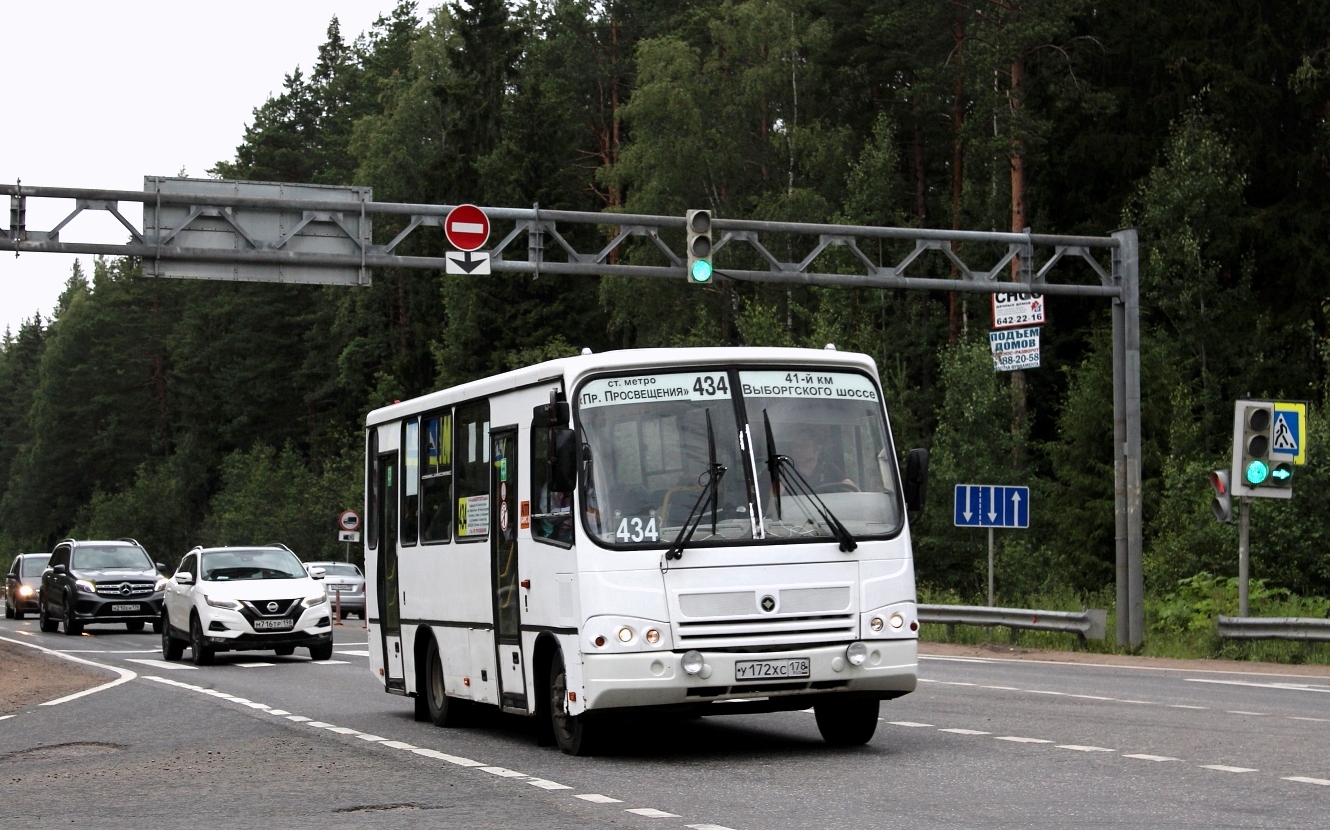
[259, 740]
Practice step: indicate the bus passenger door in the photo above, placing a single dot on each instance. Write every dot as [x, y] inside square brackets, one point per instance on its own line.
[390, 612]
[503, 567]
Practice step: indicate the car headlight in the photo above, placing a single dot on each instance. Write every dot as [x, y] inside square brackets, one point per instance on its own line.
[222, 603]
[25, 590]
[317, 599]
[85, 586]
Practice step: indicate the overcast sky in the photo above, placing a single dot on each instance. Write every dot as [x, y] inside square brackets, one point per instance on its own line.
[102, 94]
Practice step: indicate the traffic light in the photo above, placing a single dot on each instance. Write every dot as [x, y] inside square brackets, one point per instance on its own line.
[1258, 469]
[699, 246]
[1222, 503]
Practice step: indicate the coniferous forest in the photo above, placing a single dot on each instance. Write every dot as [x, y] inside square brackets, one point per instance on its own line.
[183, 412]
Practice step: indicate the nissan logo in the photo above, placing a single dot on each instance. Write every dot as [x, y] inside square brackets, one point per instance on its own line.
[125, 589]
[768, 603]
[272, 607]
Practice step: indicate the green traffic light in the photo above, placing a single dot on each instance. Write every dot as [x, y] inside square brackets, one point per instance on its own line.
[1257, 472]
[1282, 472]
[701, 271]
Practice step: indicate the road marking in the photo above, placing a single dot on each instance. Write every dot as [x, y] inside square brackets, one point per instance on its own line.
[907, 723]
[1145, 757]
[330, 662]
[547, 785]
[505, 773]
[707, 827]
[1226, 768]
[111, 651]
[1318, 720]
[1015, 739]
[1044, 692]
[252, 665]
[5, 717]
[342, 730]
[1069, 663]
[443, 756]
[1141, 702]
[965, 731]
[651, 812]
[1240, 712]
[1091, 697]
[597, 798]
[1302, 779]
[278, 712]
[161, 664]
[1186, 706]
[125, 674]
[1002, 688]
[398, 744]
[362, 736]
[297, 718]
[1079, 748]
[355, 653]
[318, 724]
[1292, 687]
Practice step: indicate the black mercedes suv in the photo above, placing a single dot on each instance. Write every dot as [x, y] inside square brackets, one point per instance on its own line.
[100, 582]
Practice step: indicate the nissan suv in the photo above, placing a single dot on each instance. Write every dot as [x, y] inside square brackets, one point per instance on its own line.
[245, 599]
[95, 582]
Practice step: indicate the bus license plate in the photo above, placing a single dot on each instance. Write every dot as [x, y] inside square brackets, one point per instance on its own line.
[273, 625]
[791, 668]
[119, 609]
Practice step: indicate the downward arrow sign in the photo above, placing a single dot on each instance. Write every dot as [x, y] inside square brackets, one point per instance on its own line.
[969, 503]
[992, 504]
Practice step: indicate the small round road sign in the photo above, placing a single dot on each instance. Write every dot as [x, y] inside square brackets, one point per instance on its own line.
[467, 227]
[349, 520]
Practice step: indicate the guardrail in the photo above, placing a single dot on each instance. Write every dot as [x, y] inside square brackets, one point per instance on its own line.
[1275, 628]
[1090, 624]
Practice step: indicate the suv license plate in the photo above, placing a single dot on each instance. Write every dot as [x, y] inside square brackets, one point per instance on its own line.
[791, 668]
[273, 625]
[119, 609]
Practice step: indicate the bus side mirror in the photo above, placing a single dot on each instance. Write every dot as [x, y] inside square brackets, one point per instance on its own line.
[916, 478]
[563, 460]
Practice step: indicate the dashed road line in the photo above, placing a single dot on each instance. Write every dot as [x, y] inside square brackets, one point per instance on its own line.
[1301, 779]
[161, 664]
[909, 723]
[1018, 740]
[1080, 748]
[651, 812]
[965, 731]
[1227, 768]
[597, 798]
[1147, 757]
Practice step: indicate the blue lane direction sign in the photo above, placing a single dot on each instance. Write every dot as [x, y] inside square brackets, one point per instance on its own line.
[992, 505]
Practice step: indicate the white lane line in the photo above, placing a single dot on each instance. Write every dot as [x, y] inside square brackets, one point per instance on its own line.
[1187, 706]
[5, 717]
[597, 798]
[1092, 697]
[907, 723]
[318, 724]
[252, 665]
[1002, 688]
[162, 664]
[278, 712]
[1317, 720]
[125, 674]
[651, 812]
[342, 730]
[505, 773]
[547, 785]
[965, 732]
[1293, 687]
[1146, 757]
[330, 662]
[443, 756]
[112, 651]
[1070, 664]
[707, 827]
[1045, 692]
[1141, 702]
[398, 744]
[1240, 712]
[1226, 768]
[1080, 748]
[297, 718]
[1302, 779]
[355, 653]
[362, 736]
[1015, 739]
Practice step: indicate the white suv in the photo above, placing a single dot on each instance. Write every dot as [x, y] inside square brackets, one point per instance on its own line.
[244, 599]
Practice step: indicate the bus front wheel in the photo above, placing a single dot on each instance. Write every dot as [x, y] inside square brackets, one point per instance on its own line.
[846, 720]
[441, 709]
[575, 734]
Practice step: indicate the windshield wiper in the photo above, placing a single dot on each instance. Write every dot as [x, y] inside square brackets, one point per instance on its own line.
[783, 471]
[710, 493]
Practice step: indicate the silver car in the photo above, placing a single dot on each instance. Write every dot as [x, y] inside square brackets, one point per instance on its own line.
[345, 585]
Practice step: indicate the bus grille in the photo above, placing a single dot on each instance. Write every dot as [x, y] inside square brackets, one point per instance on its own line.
[812, 628]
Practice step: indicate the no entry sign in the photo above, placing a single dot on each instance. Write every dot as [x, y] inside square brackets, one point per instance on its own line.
[467, 227]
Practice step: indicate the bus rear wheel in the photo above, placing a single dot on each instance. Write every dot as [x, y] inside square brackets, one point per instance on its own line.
[442, 709]
[575, 734]
[846, 720]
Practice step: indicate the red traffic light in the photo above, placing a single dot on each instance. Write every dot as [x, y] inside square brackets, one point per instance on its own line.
[1219, 481]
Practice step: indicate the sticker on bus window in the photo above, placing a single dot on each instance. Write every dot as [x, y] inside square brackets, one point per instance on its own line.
[637, 529]
[808, 383]
[473, 516]
[655, 387]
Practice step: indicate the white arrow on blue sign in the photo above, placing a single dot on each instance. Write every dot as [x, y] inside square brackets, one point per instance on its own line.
[989, 505]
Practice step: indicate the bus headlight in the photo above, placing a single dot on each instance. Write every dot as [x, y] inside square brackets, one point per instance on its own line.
[625, 634]
[652, 636]
[875, 624]
[692, 661]
[856, 653]
[897, 621]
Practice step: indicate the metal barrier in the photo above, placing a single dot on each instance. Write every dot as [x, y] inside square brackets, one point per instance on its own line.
[1090, 624]
[1275, 628]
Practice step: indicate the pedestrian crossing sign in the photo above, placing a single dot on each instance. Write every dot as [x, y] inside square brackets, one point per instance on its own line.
[1288, 437]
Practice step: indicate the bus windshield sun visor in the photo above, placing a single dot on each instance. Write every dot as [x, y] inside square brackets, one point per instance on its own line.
[785, 474]
[708, 497]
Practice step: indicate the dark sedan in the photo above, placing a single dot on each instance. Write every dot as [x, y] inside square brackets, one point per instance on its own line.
[22, 584]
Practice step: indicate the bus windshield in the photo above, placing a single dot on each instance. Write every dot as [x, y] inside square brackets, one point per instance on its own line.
[648, 443]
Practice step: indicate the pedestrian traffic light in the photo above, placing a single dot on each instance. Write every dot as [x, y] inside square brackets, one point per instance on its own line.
[699, 246]
[1222, 503]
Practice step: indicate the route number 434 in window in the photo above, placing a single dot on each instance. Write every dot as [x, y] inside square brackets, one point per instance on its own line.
[709, 385]
[637, 530]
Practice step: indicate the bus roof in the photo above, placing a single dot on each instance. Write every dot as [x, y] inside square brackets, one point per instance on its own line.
[570, 369]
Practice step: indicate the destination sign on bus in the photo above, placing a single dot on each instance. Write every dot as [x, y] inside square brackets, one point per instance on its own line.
[808, 384]
[651, 388]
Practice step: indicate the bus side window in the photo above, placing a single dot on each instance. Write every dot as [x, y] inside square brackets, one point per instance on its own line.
[471, 469]
[410, 522]
[551, 510]
[372, 489]
[436, 478]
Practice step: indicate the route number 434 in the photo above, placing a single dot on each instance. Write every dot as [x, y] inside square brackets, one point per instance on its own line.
[636, 530]
[709, 385]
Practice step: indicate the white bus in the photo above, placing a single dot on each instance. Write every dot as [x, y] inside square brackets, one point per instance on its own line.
[714, 529]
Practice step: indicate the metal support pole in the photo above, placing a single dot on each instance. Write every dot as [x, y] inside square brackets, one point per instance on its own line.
[1244, 553]
[1128, 261]
[990, 568]
[1123, 603]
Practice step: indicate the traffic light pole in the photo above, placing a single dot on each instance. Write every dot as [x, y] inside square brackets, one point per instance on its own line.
[1129, 528]
[1244, 554]
[990, 568]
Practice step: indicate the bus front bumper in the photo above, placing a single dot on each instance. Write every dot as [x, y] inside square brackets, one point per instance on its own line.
[658, 679]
